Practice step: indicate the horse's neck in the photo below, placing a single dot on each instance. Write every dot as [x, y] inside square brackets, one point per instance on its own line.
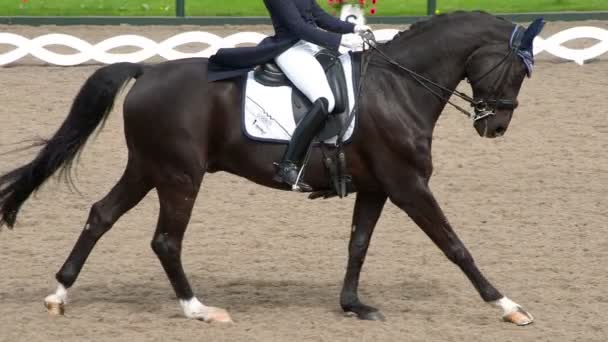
[435, 57]
[444, 69]
[440, 55]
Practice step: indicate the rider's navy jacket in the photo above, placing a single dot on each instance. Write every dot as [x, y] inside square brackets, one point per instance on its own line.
[293, 20]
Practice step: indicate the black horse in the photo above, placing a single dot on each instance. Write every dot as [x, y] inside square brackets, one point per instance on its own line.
[179, 126]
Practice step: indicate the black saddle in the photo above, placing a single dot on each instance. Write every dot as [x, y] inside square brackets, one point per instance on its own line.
[271, 75]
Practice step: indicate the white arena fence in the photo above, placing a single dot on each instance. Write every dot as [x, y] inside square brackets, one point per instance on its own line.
[166, 49]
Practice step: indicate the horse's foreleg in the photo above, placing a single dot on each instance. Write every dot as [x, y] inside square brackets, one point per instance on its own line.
[368, 207]
[129, 190]
[420, 204]
[176, 203]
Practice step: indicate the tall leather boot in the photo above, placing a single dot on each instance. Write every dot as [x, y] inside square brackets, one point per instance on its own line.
[289, 167]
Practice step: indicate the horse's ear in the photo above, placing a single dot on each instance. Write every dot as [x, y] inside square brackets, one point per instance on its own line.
[531, 32]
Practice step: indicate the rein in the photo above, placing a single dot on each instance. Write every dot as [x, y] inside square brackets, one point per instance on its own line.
[482, 107]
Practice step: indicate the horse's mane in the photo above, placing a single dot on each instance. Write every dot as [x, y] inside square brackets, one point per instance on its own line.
[423, 25]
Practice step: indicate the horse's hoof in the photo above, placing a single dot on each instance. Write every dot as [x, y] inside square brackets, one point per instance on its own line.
[57, 309]
[55, 303]
[520, 317]
[218, 315]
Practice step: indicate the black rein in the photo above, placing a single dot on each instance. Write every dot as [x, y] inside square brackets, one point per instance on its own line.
[482, 107]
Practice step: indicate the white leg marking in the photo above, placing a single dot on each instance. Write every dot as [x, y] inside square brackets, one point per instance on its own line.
[508, 306]
[55, 303]
[513, 312]
[194, 309]
[59, 297]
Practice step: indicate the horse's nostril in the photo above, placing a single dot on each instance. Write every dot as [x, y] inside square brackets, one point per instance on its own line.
[500, 130]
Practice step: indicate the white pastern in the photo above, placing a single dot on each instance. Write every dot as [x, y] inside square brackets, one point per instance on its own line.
[513, 312]
[508, 306]
[59, 297]
[194, 309]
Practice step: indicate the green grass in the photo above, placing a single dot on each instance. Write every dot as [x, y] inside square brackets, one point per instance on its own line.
[256, 7]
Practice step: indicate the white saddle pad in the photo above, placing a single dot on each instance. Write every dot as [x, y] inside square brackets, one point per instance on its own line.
[268, 113]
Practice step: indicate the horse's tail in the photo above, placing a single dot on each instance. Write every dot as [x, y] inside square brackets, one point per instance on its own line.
[91, 107]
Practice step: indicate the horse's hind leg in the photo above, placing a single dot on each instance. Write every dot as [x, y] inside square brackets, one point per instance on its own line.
[129, 191]
[176, 202]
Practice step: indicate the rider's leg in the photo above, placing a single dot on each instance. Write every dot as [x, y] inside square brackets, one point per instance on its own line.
[304, 71]
[289, 167]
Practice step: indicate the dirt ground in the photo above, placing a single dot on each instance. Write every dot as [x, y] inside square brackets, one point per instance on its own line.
[531, 207]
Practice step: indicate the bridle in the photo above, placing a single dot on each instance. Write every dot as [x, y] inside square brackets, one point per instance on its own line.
[482, 107]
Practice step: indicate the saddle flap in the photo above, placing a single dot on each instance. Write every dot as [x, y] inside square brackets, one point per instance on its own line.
[337, 83]
[334, 123]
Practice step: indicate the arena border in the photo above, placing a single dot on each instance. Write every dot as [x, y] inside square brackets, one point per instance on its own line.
[215, 21]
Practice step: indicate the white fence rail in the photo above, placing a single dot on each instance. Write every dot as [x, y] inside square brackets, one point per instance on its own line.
[167, 49]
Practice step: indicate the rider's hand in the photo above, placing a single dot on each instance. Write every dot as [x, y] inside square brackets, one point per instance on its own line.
[366, 34]
[351, 42]
[361, 29]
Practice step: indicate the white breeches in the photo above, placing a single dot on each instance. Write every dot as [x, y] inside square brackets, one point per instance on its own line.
[304, 71]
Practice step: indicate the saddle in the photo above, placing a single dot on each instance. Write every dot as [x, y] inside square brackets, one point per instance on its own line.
[273, 106]
[271, 75]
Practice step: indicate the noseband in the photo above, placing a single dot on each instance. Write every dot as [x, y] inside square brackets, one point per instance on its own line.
[482, 107]
[488, 106]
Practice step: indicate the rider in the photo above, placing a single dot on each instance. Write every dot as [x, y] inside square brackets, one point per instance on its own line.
[301, 28]
[304, 21]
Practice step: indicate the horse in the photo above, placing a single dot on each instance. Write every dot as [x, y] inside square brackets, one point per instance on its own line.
[180, 126]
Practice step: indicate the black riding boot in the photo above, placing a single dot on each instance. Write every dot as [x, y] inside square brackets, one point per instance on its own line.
[289, 167]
